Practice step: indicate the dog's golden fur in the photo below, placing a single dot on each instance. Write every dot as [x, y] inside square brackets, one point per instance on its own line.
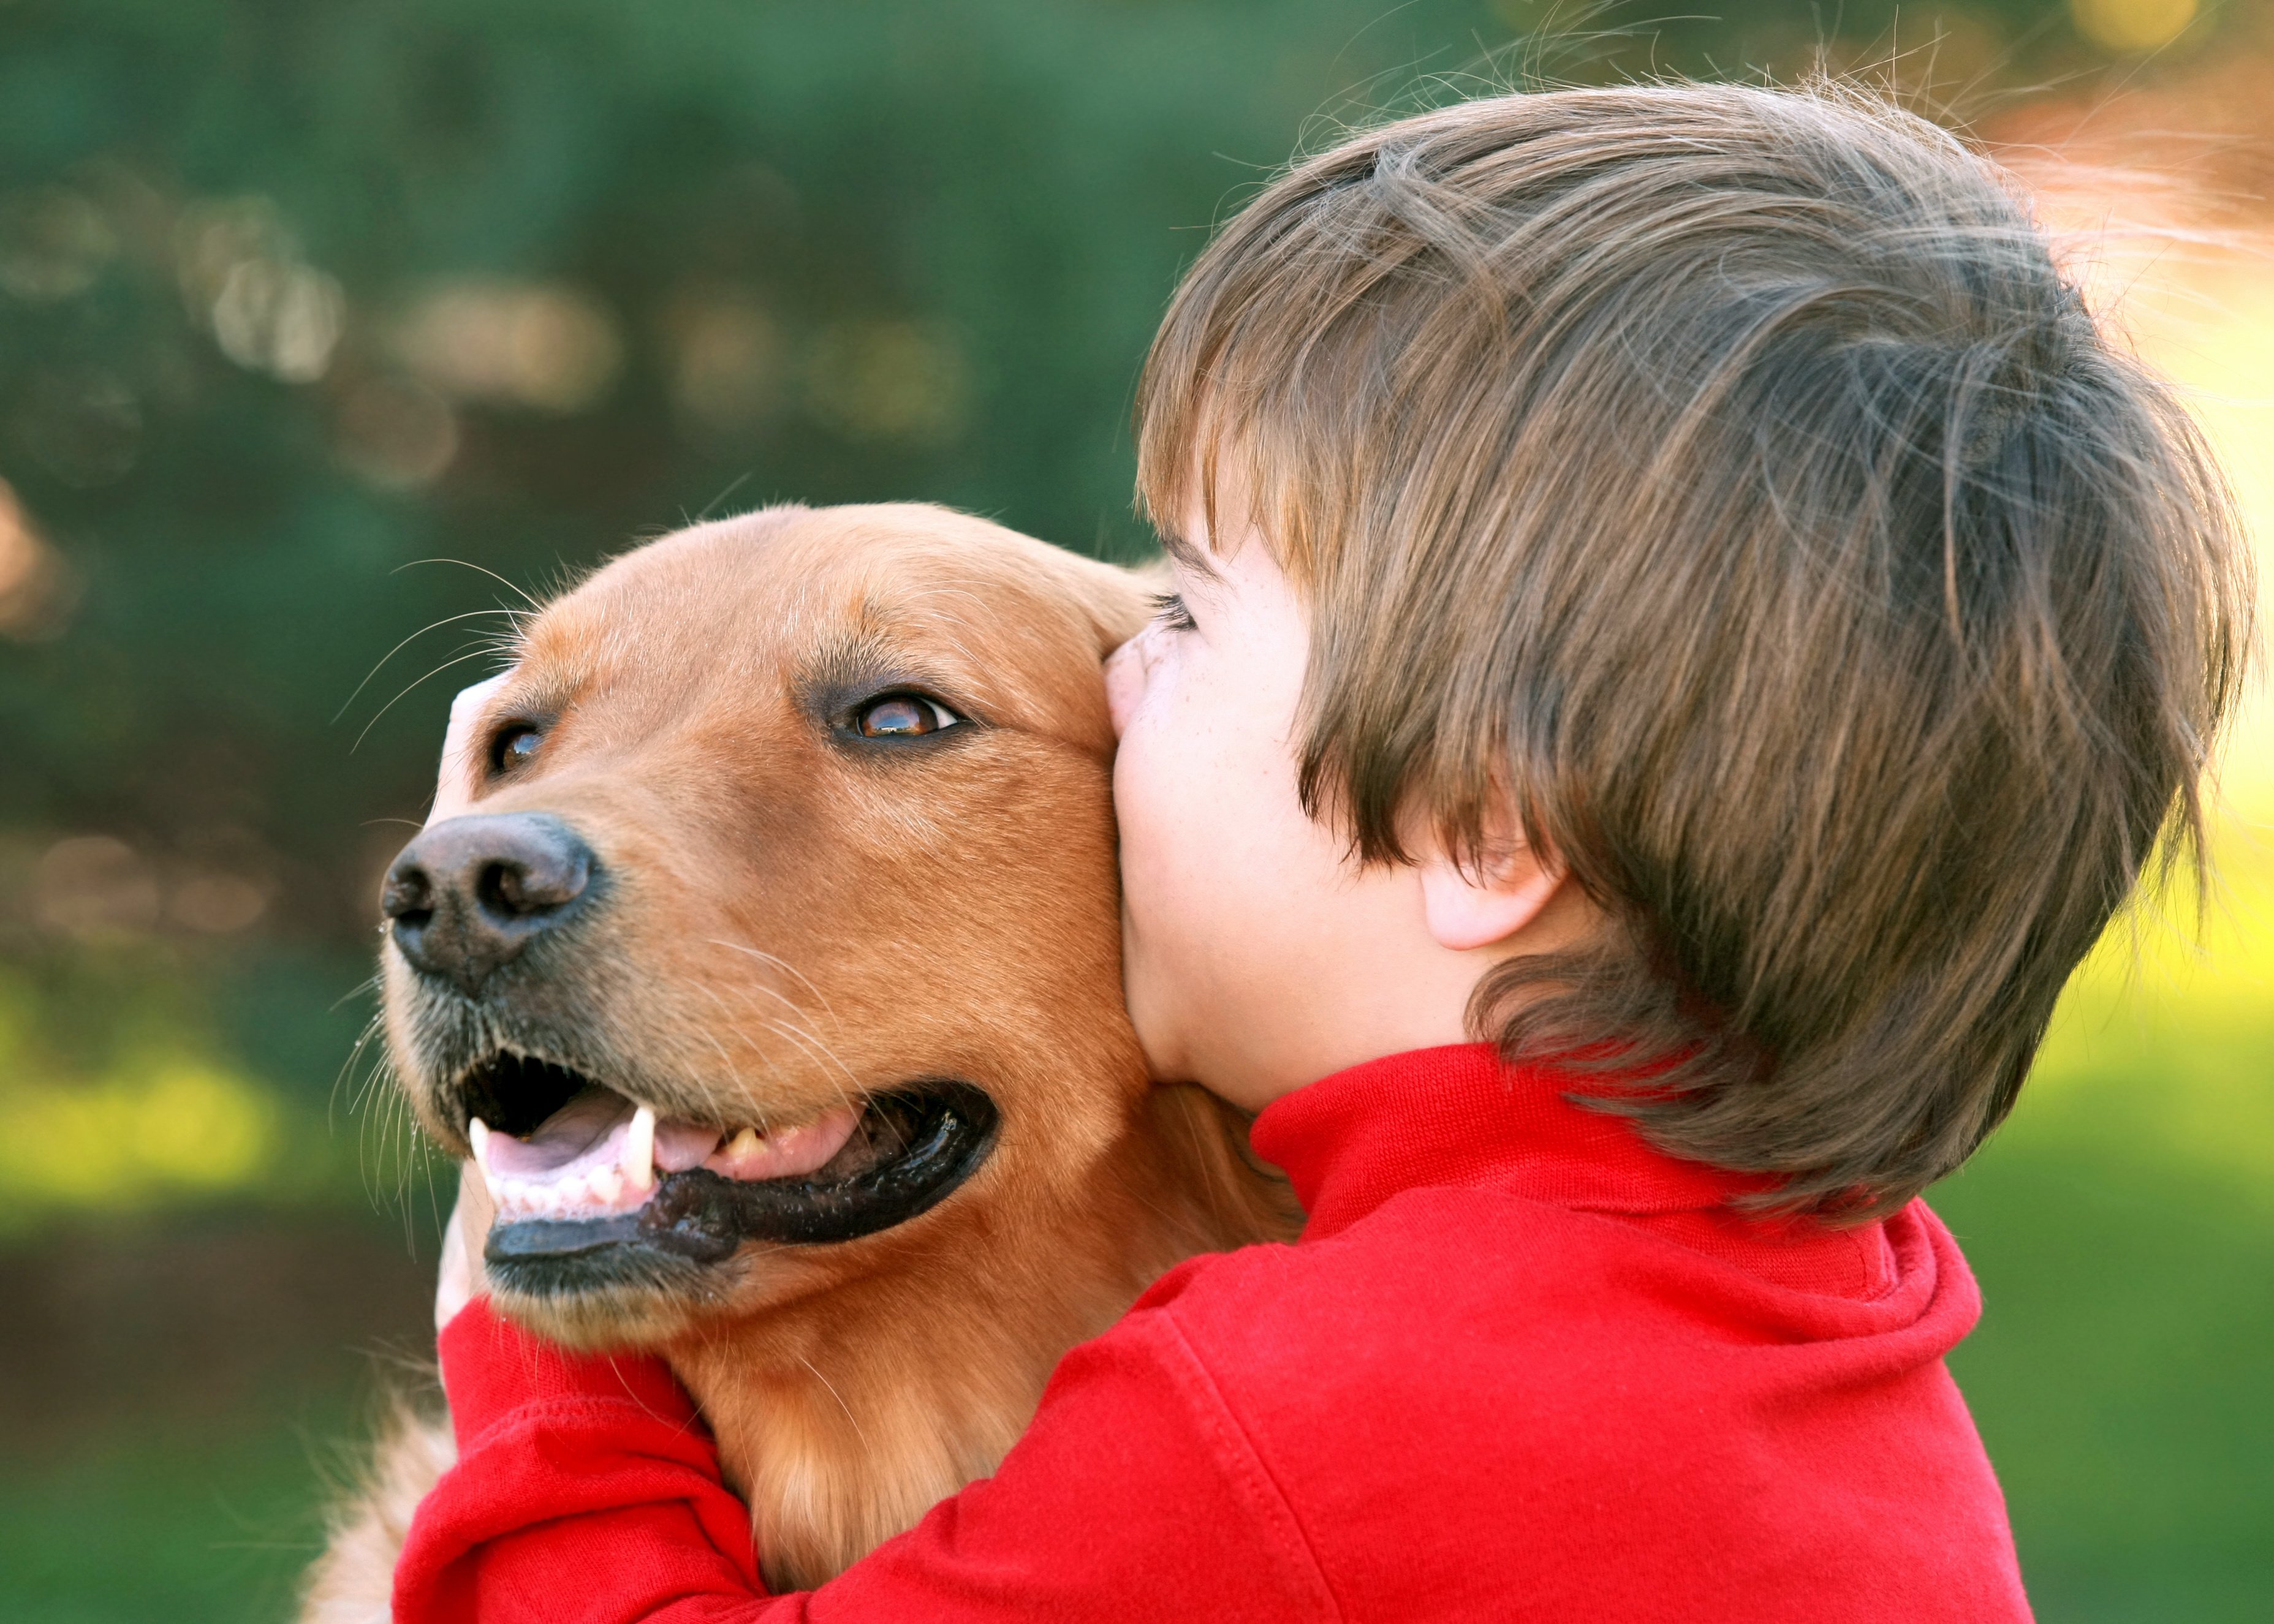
[352, 1582]
[791, 923]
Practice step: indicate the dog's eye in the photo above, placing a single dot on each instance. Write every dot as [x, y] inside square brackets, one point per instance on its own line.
[514, 746]
[901, 716]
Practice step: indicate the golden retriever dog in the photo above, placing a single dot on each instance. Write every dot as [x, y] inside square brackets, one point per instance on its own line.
[771, 974]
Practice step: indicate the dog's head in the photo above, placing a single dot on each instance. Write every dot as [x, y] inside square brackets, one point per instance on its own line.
[780, 910]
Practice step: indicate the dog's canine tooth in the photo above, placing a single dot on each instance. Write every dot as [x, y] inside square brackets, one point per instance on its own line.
[639, 1150]
[477, 1135]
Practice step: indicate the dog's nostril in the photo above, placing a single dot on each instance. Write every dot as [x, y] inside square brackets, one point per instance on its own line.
[504, 889]
[515, 890]
[495, 890]
[407, 894]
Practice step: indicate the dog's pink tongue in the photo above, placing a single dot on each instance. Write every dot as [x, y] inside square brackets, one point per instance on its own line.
[588, 1131]
[581, 1161]
[680, 1146]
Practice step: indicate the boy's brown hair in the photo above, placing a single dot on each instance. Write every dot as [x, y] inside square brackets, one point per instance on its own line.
[1728, 482]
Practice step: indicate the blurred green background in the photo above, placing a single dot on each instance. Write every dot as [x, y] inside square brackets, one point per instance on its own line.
[299, 296]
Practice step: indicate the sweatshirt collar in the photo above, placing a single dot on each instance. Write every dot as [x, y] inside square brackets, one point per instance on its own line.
[1461, 1115]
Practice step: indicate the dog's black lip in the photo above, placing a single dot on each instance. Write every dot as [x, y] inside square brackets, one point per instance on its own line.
[947, 1128]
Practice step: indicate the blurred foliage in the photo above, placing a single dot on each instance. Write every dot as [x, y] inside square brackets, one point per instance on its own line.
[298, 295]
[2122, 1226]
[293, 295]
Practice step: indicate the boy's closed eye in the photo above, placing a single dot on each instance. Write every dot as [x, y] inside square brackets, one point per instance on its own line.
[1171, 613]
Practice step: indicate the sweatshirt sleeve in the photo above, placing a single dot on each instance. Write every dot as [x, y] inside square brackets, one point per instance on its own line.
[587, 1491]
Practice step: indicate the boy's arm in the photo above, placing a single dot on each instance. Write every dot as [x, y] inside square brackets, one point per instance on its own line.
[588, 1492]
[554, 1444]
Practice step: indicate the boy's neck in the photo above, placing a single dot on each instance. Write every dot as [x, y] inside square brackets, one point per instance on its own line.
[1405, 996]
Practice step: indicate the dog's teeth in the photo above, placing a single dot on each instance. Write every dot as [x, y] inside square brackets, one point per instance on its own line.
[639, 1150]
[607, 1185]
[477, 1134]
[747, 1143]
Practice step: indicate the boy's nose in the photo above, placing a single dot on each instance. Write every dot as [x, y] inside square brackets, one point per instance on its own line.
[1124, 680]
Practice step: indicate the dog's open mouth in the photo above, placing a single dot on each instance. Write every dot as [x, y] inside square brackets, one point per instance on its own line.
[576, 1169]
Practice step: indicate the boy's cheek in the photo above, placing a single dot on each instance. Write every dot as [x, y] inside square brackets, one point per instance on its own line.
[1157, 854]
[1151, 956]
[1134, 818]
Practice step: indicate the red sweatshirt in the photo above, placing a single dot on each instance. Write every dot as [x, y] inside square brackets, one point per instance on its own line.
[1521, 1366]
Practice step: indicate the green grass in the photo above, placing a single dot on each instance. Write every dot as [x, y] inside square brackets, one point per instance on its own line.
[208, 1526]
[2120, 1373]
[2122, 1226]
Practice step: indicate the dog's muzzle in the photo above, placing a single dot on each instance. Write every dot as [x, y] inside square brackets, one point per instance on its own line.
[594, 1190]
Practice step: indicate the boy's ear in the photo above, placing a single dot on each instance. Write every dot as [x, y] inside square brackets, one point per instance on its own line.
[1485, 905]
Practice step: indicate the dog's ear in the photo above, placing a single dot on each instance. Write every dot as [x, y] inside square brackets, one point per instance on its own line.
[1116, 600]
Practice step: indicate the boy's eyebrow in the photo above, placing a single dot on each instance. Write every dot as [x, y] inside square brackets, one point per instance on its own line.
[1188, 557]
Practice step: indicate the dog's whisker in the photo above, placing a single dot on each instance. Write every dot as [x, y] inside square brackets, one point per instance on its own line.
[733, 1071]
[344, 1077]
[431, 626]
[369, 983]
[807, 1042]
[797, 1010]
[782, 965]
[718, 501]
[840, 1397]
[482, 653]
[372, 1132]
[800, 1034]
[363, 1095]
[811, 1045]
[480, 569]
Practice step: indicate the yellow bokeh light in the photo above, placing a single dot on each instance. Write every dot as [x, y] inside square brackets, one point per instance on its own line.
[158, 1128]
[2174, 1008]
[2209, 327]
[2130, 26]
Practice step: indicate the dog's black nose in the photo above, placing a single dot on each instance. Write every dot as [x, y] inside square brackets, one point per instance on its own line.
[470, 893]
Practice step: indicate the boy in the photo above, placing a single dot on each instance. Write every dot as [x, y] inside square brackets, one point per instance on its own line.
[1685, 634]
